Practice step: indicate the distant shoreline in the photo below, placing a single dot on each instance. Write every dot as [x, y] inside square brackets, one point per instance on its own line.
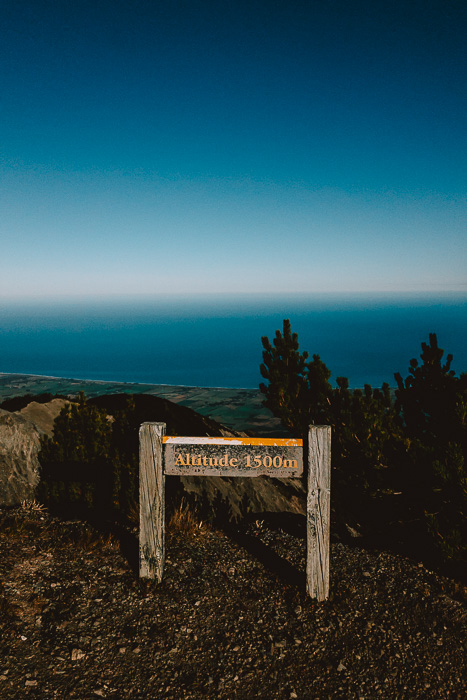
[239, 409]
[80, 380]
[147, 386]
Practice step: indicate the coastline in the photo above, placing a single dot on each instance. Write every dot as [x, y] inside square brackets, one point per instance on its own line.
[239, 409]
[112, 382]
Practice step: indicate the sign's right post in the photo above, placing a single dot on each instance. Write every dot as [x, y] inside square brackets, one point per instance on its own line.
[318, 509]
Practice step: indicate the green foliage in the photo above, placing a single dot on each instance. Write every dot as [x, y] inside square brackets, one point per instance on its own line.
[415, 445]
[433, 405]
[284, 366]
[320, 390]
[366, 433]
[300, 394]
[125, 460]
[82, 433]
[80, 471]
[448, 521]
[90, 468]
[427, 398]
[298, 391]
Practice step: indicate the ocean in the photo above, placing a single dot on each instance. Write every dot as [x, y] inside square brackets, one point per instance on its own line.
[216, 342]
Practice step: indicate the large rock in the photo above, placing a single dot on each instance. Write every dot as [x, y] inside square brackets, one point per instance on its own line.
[43, 415]
[19, 462]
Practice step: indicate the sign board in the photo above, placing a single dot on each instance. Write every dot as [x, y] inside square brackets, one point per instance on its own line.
[162, 456]
[232, 457]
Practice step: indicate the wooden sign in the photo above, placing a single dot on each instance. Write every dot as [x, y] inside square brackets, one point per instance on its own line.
[233, 456]
[161, 456]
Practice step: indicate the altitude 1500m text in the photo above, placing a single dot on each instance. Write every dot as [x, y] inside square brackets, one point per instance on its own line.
[248, 461]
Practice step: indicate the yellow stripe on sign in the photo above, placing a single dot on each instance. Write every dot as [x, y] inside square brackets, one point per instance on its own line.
[275, 442]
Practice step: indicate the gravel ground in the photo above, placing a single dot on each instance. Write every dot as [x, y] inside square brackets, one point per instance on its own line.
[75, 621]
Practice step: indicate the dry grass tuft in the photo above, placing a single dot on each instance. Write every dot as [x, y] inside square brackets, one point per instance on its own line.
[133, 513]
[33, 507]
[185, 522]
[85, 538]
[90, 540]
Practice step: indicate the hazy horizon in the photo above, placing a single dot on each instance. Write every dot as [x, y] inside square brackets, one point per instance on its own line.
[171, 301]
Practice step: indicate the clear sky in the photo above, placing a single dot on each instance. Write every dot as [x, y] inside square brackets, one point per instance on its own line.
[232, 146]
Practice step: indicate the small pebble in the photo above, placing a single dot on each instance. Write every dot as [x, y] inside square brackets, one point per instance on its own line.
[77, 654]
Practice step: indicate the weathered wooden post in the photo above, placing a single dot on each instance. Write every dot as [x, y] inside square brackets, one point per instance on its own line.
[318, 511]
[152, 501]
[221, 456]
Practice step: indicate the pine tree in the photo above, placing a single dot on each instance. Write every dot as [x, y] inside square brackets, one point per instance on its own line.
[433, 405]
[284, 366]
[428, 396]
[364, 424]
[299, 392]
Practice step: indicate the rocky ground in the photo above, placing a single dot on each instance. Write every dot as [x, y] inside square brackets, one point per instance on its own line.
[230, 619]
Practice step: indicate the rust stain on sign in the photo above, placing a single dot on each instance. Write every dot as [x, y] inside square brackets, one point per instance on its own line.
[233, 456]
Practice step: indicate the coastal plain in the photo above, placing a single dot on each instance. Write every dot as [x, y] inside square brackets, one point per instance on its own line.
[238, 409]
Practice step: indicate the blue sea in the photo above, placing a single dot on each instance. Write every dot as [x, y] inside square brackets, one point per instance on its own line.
[216, 342]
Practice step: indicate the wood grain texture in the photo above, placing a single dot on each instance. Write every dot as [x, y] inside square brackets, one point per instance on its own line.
[318, 511]
[152, 502]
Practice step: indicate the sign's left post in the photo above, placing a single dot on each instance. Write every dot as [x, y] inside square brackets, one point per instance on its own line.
[151, 501]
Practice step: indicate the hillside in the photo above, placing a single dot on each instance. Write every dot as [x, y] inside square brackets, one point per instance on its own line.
[388, 520]
[231, 618]
[229, 497]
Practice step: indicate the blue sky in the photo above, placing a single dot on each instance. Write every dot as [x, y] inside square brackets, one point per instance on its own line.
[225, 146]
